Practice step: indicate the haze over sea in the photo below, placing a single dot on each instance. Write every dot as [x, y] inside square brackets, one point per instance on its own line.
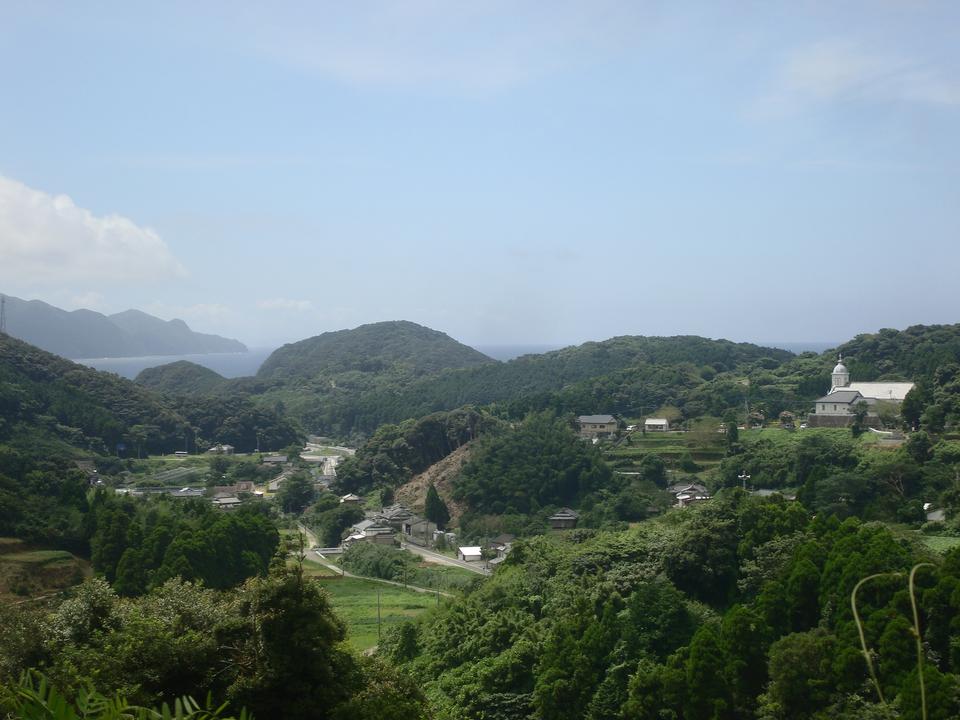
[232, 365]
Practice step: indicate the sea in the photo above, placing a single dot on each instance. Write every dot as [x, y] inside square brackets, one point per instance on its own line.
[229, 365]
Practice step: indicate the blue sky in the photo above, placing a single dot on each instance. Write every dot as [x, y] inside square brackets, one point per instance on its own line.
[506, 172]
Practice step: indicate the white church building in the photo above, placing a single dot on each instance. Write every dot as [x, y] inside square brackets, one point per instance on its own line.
[835, 409]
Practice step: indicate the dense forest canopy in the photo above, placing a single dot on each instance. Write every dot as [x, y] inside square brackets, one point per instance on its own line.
[400, 348]
[44, 398]
[736, 609]
[180, 378]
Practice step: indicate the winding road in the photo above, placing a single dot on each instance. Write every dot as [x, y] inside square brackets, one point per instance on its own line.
[312, 542]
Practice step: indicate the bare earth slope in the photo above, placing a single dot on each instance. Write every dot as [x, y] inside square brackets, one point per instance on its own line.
[442, 474]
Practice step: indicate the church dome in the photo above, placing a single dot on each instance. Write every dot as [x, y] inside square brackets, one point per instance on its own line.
[840, 368]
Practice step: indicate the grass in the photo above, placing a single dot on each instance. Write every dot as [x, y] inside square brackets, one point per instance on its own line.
[316, 570]
[355, 601]
[39, 557]
[941, 543]
[32, 573]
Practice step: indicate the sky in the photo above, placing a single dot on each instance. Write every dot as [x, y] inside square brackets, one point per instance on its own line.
[507, 172]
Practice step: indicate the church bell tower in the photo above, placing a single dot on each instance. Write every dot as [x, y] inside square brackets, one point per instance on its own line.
[841, 376]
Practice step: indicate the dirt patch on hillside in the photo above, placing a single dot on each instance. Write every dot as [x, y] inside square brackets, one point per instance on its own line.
[442, 474]
[28, 572]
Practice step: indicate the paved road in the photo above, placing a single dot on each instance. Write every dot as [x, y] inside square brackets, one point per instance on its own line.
[312, 540]
[444, 559]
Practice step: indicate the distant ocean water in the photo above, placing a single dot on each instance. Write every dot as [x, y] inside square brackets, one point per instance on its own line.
[233, 365]
[229, 365]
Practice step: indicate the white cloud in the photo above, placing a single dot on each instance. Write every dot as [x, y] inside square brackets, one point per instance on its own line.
[285, 304]
[91, 300]
[845, 71]
[48, 241]
[466, 47]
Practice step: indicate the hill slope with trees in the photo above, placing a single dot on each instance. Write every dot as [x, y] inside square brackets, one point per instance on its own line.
[181, 378]
[47, 399]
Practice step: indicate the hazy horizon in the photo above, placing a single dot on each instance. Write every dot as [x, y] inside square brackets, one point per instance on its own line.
[508, 174]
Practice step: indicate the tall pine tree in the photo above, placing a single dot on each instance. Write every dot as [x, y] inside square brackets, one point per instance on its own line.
[435, 508]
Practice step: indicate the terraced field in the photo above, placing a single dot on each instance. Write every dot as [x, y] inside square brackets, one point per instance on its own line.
[28, 572]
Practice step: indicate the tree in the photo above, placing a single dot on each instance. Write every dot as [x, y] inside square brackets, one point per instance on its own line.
[296, 493]
[860, 411]
[294, 664]
[138, 435]
[435, 508]
[707, 689]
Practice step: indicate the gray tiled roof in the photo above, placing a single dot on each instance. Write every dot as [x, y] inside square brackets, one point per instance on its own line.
[596, 419]
[840, 396]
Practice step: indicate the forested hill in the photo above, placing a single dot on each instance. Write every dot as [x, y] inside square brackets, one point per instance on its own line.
[650, 370]
[911, 354]
[398, 348]
[45, 399]
[86, 334]
[181, 378]
[43, 396]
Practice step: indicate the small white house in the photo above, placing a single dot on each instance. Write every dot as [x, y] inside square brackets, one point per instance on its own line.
[469, 554]
[656, 425]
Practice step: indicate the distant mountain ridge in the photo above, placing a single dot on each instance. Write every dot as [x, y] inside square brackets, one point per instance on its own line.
[88, 334]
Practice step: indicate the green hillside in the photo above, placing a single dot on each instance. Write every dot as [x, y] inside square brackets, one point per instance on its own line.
[180, 378]
[911, 354]
[48, 401]
[44, 397]
[585, 378]
[397, 349]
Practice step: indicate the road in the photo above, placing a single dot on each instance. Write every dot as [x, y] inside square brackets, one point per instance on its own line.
[312, 541]
[444, 559]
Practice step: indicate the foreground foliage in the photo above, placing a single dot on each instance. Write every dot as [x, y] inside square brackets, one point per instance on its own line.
[731, 610]
[273, 646]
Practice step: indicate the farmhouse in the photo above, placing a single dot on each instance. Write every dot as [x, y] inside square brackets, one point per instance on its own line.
[469, 554]
[418, 530]
[227, 503]
[687, 494]
[593, 426]
[563, 519]
[656, 424]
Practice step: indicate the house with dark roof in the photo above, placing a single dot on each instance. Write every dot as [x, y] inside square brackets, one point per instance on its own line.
[418, 530]
[594, 426]
[563, 519]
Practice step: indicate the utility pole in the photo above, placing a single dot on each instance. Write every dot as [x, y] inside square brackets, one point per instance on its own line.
[3, 314]
[743, 477]
[378, 615]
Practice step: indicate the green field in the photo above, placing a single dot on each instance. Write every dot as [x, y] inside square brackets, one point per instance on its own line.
[941, 543]
[39, 557]
[314, 569]
[355, 601]
[27, 572]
